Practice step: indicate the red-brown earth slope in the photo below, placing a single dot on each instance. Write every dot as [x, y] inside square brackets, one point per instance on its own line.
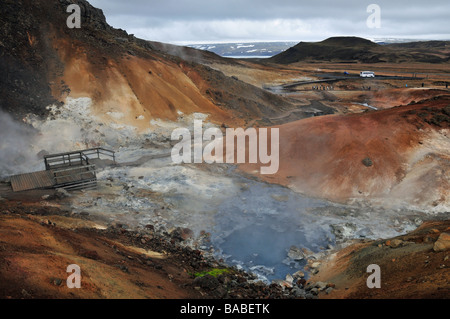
[400, 154]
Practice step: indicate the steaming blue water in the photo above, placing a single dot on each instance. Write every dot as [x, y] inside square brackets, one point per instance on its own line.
[256, 229]
[252, 224]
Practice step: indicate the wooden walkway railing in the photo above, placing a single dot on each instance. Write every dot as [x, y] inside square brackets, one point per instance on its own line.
[71, 170]
[100, 151]
[76, 158]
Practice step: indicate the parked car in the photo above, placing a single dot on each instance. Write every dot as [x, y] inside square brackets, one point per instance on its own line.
[367, 74]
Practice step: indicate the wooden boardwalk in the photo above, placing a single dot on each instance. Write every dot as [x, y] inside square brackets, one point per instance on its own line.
[54, 178]
[37, 180]
[72, 170]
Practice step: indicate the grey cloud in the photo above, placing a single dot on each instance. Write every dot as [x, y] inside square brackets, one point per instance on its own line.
[213, 9]
[209, 20]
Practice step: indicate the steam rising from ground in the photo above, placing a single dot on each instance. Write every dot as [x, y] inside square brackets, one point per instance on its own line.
[67, 128]
[73, 126]
[252, 224]
[16, 145]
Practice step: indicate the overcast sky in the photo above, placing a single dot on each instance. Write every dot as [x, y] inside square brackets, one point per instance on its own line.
[210, 21]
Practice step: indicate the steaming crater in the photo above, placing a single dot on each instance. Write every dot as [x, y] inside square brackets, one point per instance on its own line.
[252, 224]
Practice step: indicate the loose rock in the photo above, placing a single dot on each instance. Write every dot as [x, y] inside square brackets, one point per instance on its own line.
[296, 253]
[207, 282]
[299, 275]
[367, 162]
[315, 291]
[395, 243]
[61, 193]
[321, 285]
[443, 243]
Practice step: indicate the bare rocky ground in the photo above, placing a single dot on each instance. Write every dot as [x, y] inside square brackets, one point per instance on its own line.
[39, 241]
[108, 86]
[77, 234]
[414, 266]
[38, 244]
[30, 211]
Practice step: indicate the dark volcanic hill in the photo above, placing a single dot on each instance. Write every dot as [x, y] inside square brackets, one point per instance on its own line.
[42, 61]
[354, 49]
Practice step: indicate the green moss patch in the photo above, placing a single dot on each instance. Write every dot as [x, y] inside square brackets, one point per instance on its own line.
[214, 272]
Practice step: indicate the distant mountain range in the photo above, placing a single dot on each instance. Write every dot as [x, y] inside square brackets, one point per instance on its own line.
[354, 49]
[247, 50]
[346, 49]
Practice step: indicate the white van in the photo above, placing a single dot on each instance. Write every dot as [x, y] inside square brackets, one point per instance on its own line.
[367, 74]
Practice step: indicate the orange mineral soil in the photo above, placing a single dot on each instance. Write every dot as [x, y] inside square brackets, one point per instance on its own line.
[346, 271]
[140, 89]
[405, 150]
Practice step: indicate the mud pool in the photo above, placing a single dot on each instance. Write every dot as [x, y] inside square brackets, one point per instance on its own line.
[252, 224]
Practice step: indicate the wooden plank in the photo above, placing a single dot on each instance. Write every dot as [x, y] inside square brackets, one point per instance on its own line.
[45, 179]
[36, 180]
